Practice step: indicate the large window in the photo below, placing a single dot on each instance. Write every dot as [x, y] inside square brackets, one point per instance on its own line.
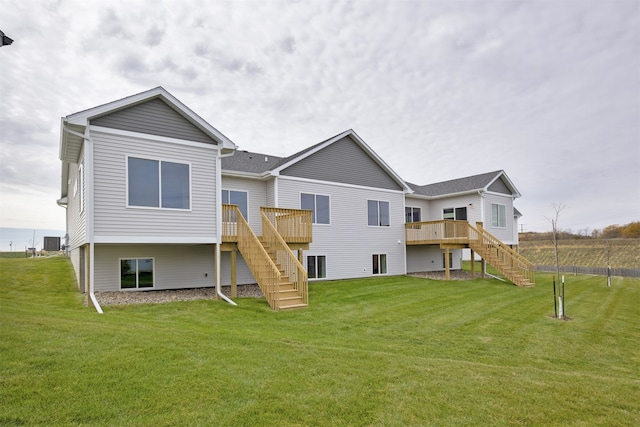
[232, 197]
[136, 273]
[378, 213]
[317, 266]
[411, 214]
[319, 205]
[379, 263]
[158, 184]
[498, 215]
[459, 214]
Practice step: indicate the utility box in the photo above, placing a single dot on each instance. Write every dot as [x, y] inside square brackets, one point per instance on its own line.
[51, 244]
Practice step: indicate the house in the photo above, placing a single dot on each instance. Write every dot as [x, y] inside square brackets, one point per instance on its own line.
[157, 198]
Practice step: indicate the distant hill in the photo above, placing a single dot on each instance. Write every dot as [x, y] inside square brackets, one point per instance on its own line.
[623, 253]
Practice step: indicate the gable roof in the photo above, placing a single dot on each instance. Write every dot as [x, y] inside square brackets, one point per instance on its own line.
[249, 163]
[469, 184]
[74, 125]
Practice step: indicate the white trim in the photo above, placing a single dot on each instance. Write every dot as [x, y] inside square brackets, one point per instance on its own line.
[386, 263]
[359, 141]
[156, 239]
[339, 184]
[82, 118]
[154, 138]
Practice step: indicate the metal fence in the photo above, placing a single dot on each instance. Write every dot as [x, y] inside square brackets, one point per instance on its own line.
[598, 271]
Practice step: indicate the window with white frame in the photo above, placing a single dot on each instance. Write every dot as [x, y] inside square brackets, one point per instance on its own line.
[378, 213]
[379, 263]
[158, 184]
[317, 266]
[412, 214]
[498, 215]
[319, 205]
[239, 198]
[459, 214]
[136, 273]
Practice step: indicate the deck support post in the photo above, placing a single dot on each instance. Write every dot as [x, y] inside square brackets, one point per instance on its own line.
[473, 264]
[484, 268]
[447, 273]
[234, 280]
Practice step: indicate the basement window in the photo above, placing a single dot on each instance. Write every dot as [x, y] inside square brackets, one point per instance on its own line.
[136, 273]
[379, 264]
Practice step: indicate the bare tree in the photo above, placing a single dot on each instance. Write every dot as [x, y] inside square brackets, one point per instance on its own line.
[555, 231]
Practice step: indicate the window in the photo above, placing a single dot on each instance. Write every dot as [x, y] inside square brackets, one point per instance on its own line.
[319, 205]
[459, 214]
[317, 266]
[136, 273]
[498, 215]
[378, 213]
[232, 197]
[158, 184]
[444, 259]
[412, 214]
[379, 264]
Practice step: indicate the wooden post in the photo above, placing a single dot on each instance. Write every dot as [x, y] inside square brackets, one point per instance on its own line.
[234, 280]
[301, 256]
[473, 264]
[483, 267]
[447, 274]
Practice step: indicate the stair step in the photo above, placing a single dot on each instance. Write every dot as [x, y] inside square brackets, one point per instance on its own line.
[293, 306]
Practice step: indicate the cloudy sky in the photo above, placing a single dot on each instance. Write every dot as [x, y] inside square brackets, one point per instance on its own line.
[547, 90]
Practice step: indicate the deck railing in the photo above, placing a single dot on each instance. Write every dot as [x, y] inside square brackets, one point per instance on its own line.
[279, 250]
[294, 225]
[262, 267]
[230, 214]
[433, 232]
[510, 263]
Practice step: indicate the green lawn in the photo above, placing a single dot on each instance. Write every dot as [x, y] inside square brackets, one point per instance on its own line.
[390, 351]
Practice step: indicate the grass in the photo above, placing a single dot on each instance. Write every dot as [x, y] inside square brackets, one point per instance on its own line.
[382, 351]
[623, 253]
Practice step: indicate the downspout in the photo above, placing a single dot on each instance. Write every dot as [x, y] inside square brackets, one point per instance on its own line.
[88, 170]
[219, 223]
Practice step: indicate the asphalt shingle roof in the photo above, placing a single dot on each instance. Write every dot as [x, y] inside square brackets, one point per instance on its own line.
[460, 185]
[246, 161]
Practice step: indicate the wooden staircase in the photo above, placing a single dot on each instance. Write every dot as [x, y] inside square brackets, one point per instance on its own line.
[508, 262]
[281, 277]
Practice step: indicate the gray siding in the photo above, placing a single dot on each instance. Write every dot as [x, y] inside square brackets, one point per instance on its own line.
[176, 266]
[348, 242]
[153, 117]
[499, 186]
[113, 218]
[345, 162]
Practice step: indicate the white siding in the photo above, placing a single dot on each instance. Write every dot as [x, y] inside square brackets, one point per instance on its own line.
[176, 266]
[256, 198]
[76, 218]
[348, 242]
[470, 201]
[243, 274]
[504, 234]
[114, 219]
[429, 258]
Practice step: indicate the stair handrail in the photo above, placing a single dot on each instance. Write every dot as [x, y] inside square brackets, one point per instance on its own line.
[264, 270]
[483, 238]
[285, 258]
[294, 225]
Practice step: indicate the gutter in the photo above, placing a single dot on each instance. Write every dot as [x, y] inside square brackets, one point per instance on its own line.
[219, 223]
[88, 211]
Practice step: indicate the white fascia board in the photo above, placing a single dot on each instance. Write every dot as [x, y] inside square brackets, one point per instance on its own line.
[339, 184]
[149, 136]
[445, 196]
[238, 174]
[362, 144]
[83, 117]
[515, 191]
[155, 240]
